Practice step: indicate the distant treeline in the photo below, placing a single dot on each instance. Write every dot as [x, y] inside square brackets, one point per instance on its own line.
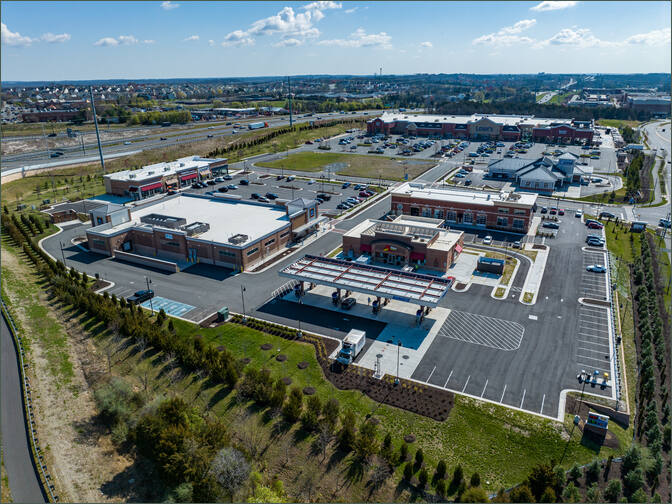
[175, 116]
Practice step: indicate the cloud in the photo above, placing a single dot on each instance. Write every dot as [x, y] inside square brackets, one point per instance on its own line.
[575, 37]
[120, 40]
[168, 5]
[191, 38]
[652, 38]
[351, 11]
[211, 43]
[361, 39]
[14, 38]
[237, 38]
[508, 35]
[288, 42]
[426, 44]
[55, 38]
[107, 42]
[551, 6]
[127, 39]
[286, 23]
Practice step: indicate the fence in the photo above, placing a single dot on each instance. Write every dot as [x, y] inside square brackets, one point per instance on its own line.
[38, 459]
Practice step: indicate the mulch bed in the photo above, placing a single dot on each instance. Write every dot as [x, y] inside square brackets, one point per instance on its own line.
[409, 438]
[374, 420]
[460, 286]
[287, 380]
[281, 358]
[221, 348]
[302, 365]
[266, 346]
[539, 247]
[246, 360]
[308, 390]
[571, 406]
[99, 284]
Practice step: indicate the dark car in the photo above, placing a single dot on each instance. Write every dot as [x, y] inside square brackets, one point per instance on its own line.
[271, 195]
[551, 225]
[244, 182]
[348, 303]
[544, 210]
[164, 138]
[323, 196]
[171, 192]
[607, 215]
[345, 185]
[279, 177]
[51, 135]
[141, 296]
[223, 189]
[211, 182]
[255, 195]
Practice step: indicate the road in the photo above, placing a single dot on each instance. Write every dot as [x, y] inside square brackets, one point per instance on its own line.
[147, 142]
[21, 472]
[658, 136]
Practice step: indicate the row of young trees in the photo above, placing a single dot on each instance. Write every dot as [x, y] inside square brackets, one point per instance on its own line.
[632, 175]
[157, 117]
[275, 132]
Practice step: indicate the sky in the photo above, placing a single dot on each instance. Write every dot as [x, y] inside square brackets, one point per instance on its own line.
[185, 39]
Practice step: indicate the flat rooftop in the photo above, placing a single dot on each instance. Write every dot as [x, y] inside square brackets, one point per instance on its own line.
[508, 120]
[226, 218]
[480, 198]
[162, 169]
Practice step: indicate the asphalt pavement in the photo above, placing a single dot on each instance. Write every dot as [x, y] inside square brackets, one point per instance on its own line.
[21, 472]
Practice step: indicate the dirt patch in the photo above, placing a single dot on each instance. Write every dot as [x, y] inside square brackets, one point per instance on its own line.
[100, 284]
[374, 420]
[246, 360]
[281, 358]
[302, 365]
[287, 380]
[308, 390]
[539, 247]
[409, 438]
[266, 346]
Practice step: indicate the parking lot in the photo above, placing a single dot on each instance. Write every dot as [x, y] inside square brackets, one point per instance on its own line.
[265, 182]
[174, 308]
[593, 351]
[593, 285]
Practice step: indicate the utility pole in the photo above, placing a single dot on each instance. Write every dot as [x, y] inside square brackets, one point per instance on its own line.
[289, 87]
[242, 295]
[151, 306]
[63, 255]
[46, 142]
[95, 121]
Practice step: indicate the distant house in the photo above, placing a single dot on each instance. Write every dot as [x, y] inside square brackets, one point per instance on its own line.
[544, 174]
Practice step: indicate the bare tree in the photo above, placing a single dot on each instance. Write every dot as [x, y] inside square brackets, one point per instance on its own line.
[324, 437]
[230, 469]
[251, 439]
[381, 471]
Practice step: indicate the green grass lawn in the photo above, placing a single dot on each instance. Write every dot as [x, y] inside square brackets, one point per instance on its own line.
[617, 123]
[560, 98]
[357, 165]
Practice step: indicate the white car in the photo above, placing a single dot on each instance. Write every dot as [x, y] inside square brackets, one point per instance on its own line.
[487, 240]
[311, 181]
[127, 143]
[578, 213]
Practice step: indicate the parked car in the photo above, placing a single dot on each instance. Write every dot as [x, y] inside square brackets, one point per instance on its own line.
[244, 182]
[589, 221]
[170, 192]
[551, 225]
[348, 303]
[517, 244]
[219, 180]
[607, 215]
[578, 213]
[324, 196]
[127, 143]
[596, 268]
[595, 225]
[227, 177]
[666, 223]
[164, 138]
[561, 211]
[232, 187]
[223, 189]
[553, 211]
[290, 178]
[271, 195]
[211, 182]
[141, 296]
[487, 240]
[263, 200]
[345, 185]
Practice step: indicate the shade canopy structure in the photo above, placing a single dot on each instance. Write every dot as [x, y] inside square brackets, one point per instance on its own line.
[424, 290]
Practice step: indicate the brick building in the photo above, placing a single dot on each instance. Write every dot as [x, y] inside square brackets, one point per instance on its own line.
[481, 127]
[505, 211]
[406, 241]
[56, 115]
[160, 177]
[188, 228]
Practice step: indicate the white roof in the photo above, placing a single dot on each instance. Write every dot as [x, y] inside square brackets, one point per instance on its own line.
[161, 169]
[508, 120]
[478, 198]
[225, 217]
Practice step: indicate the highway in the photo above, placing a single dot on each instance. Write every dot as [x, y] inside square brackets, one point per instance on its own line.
[658, 136]
[22, 474]
[132, 145]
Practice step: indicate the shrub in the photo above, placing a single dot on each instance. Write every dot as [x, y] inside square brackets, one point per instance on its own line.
[403, 452]
[366, 443]
[575, 472]
[440, 469]
[458, 475]
[293, 407]
[639, 496]
[422, 478]
[549, 495]
[346, 437]
[613, 490]
[634, 480]
[419, 457]
[631, 459]
[408, 472]
[571, 493]
[474, 494]
[521, 493]
[475, 480]
[593, 493]
[441, 488]
[330, 412]
[593, 471]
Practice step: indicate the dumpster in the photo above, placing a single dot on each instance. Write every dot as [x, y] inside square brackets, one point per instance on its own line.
[223, 314]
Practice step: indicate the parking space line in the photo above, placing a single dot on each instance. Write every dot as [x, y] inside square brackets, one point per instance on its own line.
[523, 399]
[586, 342]
[486, 384]
[503, 392]
[451, 374]
[602, 361]
[542, 404]
[430, 374]
[465, 385]
[592, 366]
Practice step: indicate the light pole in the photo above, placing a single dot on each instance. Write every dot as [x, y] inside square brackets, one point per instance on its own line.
[396, 380]
[242, 295]
[63, 255]
[151, 305]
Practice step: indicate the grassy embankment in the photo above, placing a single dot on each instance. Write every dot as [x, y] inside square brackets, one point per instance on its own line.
[357, 165]
[617, 123]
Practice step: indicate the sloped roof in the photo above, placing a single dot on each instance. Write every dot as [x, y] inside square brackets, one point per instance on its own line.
[511, 164]
[539, 173]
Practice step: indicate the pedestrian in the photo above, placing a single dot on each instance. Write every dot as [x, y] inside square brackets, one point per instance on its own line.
[368, 301]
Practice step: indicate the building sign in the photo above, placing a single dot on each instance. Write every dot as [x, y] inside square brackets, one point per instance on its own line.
[399, 298]
[562, 132]
[168, 236]
[484, 128]
[597, 421]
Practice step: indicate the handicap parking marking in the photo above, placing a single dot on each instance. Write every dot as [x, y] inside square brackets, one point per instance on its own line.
[171, 307]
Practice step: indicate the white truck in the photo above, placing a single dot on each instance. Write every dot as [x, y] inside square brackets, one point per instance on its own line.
[352, 345]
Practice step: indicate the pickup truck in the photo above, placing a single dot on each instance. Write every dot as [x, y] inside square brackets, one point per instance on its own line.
[352, 346]
[141, 296]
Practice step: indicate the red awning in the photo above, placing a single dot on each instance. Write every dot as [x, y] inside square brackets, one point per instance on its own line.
[417, 256]
[149, 187]
[189, 177]
[365, 248]
[458, 247]
[133, 189]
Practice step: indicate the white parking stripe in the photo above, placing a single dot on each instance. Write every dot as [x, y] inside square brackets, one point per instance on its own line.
[451, 374]
[503, 392]
[430, 374]
[542, 404]
[602, 361]
[467, 383]
[486, 384]
[523, 399]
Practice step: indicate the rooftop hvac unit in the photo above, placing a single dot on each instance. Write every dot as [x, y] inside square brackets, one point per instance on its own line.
[182, 165]
[166, 168]
[131, 175]
[238, 239]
